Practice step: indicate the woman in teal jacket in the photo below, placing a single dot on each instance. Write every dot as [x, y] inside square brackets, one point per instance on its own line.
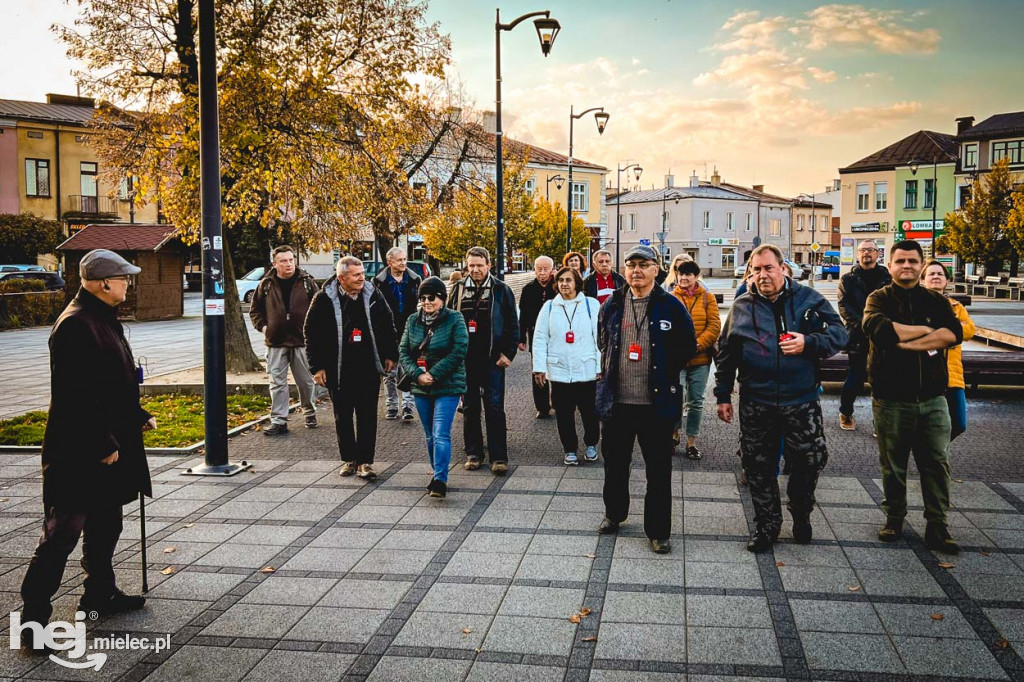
[433, 352]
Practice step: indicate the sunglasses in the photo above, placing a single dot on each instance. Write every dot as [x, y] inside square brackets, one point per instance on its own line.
[429, 298]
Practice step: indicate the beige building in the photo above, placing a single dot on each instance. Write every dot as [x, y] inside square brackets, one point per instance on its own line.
[811, 222]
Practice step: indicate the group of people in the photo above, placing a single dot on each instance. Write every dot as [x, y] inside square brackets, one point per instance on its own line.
[623, 352]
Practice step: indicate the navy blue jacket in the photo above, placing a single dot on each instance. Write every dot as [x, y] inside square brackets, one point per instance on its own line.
[504, 321]
[673, 343]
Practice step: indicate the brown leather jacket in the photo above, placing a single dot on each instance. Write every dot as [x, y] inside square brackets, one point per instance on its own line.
[267, 312]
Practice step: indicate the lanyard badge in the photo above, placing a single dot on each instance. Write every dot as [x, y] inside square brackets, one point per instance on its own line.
[635, 352]
[472, 326]
[421, 362]
[570, 337]
[357, 335]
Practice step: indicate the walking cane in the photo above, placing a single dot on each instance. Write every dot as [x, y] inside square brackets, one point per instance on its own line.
[142, 523]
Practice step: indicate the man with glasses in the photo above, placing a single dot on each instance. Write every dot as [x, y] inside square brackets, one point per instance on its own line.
[646, 338]
[854, 288]
[94, 461]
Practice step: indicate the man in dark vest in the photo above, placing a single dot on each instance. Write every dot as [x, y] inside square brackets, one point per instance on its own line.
[534, 295]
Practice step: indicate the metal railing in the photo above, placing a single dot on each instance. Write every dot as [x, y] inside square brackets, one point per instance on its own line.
[91, 205]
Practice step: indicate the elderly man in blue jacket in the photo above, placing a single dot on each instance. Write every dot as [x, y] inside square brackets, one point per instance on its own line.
[774, 339]
[646, 338]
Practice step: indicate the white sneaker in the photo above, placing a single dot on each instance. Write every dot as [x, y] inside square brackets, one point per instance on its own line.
[591, 454]
[571, 459]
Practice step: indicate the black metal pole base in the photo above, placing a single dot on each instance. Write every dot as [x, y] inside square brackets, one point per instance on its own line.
[217, 469]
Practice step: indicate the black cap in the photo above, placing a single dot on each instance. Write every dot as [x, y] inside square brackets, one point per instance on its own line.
[434, 285]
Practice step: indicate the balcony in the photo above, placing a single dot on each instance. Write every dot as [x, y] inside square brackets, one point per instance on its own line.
[84, 206]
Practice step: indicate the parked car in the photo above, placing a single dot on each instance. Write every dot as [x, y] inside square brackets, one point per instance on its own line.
[372, 267]
[247, 285]
[52, 280]
[11, 267]
[799, 270]
[739, 271]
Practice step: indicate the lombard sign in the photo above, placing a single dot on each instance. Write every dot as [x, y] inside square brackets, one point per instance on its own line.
[919, 229]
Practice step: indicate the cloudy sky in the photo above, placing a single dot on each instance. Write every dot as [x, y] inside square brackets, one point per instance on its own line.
[779, 93]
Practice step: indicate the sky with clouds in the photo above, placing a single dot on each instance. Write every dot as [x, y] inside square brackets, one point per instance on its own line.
[779, 93]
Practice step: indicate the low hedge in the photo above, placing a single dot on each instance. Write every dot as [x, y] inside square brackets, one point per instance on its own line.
[26, 303]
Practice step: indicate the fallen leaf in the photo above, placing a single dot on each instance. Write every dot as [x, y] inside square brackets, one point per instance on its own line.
[1002, 644]
[590, 556]
[252, 470]
[584, 612]
[170, 550]
[4, 499]
[938, 616]
[854, 588]
[168, 570]
[574, 618]
[959, 480]
[268, 569]
[780, 564]
[189, 525]
[985, 554]
[466, 631]
[945, 564]
[590, 639]
[478, 649]
[404, 443]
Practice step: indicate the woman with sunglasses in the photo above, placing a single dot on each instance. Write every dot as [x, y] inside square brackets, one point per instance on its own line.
[433, 352]
[565, 353]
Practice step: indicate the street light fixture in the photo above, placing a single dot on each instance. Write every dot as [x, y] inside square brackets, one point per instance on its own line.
[558, 180]
[602, 120]
[637, 171]
[547, 30]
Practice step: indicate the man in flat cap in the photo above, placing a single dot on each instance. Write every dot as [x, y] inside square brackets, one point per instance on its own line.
[646, 338]
[93, 456]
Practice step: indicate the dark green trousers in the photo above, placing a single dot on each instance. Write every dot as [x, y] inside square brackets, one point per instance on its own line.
[921, 428]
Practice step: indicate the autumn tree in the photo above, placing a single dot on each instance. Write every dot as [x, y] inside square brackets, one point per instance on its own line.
[548, 232]
[978, 231]
[306, 88]
[1015, 221]
[24, 236]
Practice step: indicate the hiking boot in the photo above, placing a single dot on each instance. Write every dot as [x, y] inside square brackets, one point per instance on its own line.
[802, 531]
[311, 422]
[936, 537]
[760, 541]
[891, 531]
[347, 468]
[591, 454]
[693, 453]
[571, 459]
[392, 414]
[661, 546]
[846, 422]
[472, 464]
[118, 602]
[366, 471]
[608, 526]
[407, 415]
[499, 468]
[276, 430]
[438, 488]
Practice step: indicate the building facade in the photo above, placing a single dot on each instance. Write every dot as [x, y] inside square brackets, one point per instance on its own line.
[811, 223]
[979, 146]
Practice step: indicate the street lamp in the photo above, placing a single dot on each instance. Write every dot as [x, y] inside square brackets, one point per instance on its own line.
[637, 170]
[558, 180]
[602, 120]
[130, 179]
[547, 30]
[810, 280]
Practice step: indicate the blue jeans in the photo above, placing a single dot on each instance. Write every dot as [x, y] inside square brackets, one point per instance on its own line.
[695, 383]
[957, 402]
[436, 415]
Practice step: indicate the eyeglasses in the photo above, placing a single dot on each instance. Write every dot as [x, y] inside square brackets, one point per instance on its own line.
[640, 265]
[867, 250]
[429, 298]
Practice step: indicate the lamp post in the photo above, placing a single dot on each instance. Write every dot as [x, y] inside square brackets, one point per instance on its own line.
[547, 30]
[637, 171]
[602, 120]
[558, 180]
[131, 198]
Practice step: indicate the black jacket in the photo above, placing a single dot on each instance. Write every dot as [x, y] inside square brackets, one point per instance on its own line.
[411, 286]
[94, 411]
[907, 375]
[533, 296]
[673, 343]
[590, 283]
[854, 288]
[282, 330]
[504, 322]
[323, 325]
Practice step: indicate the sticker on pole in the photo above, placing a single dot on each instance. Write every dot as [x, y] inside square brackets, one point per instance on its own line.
[218, 242]
[213, 306]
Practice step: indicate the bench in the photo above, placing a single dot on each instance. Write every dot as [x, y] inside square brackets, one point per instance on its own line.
[1012, 286]
[988, 288]
[988, 368]
[967, 285]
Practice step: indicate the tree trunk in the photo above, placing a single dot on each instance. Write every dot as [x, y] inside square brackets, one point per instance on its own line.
[238, 352]
[1014, 263]
[384, 240]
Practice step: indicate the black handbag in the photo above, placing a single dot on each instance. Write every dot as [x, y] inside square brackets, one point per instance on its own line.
[404, 380]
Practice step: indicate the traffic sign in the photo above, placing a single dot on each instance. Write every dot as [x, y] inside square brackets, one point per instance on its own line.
[756, 242]
[645, 242]
[815, 247]
[661, 236]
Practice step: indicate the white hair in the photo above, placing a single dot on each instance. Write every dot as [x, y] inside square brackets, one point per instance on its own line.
[393, 251]
[540, 258]
[345, 262]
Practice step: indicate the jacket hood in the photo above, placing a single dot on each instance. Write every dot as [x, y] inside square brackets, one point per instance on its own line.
[332, 288]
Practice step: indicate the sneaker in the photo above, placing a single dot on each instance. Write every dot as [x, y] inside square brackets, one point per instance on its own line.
[407, 415]
[366, 471]
[760, 541]
[438, 489]
[311, 422]
[276, 430]
[693, 453]
[891, 531]
[499, 468]
[661, 546]
[392, 414]
[802, 531]
[118, 602]
[571, 459]
[936, 537]
[608, 526]
[846, 422]
[591, 454]
[472, 464]
[347, 468]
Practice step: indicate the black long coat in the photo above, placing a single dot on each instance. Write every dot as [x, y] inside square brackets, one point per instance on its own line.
[94, 411]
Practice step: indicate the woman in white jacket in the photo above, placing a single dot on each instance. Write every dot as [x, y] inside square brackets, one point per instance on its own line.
[565, 353]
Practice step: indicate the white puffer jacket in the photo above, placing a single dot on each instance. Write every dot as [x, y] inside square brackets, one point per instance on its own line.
[567, 362]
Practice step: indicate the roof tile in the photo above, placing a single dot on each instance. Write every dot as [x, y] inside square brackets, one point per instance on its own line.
[119, 237]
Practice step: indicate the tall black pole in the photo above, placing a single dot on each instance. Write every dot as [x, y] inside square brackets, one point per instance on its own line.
[935, 197]
[618, 214]
[499, 180]
[568, 198]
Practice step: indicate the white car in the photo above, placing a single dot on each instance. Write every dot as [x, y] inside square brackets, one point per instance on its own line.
[739, 271]
[247, 285]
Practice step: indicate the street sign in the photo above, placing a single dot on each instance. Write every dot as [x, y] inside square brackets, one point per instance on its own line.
[645, 242]
[815, 247]
[756, 242]
[661, 236]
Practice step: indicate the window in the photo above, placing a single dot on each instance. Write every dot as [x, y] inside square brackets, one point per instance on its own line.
[798, 257]
[823, 223]
[965, 195]
[707, 220]
[881, 196]
[531, 186]
[580, 196]
[750, 222]
[1010, 149]
[970, 156]
[910, 196]
[929, 193]
[863, 197]
[37, 177]
[35, 135]
[90, 202]
[800, 223]
[730, 222]
[775, 227]
[80, 139]
[728, 259]
[666, 220]
[631, 222]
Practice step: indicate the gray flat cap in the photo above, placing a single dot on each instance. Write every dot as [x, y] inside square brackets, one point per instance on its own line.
[101, 263]
[642, 252]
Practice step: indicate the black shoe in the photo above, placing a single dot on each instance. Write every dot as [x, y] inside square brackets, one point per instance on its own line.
[118, 602]
[276, 430]
[543, 414]
[661, 546]
[311, 422]
[936, 537]
[608, 526]
[693, 453]
[28, 641]
[438, 488]
[760, 541]
[802, 531]
[891, 531]
[407, 415]
[392, 414]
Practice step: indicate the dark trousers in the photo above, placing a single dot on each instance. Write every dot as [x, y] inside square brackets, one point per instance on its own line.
[628, 424]
[61, 530]
[800, 427]
[485, 384]
[542, 397]
[856, 375]
[567, 399]
[359, 399]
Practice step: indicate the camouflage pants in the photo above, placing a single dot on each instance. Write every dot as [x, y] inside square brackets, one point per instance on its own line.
[800, 427]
